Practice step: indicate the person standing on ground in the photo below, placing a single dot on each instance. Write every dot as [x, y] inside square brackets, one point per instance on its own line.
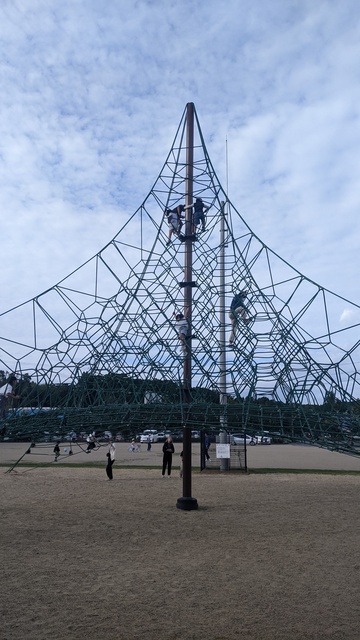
[207, 446]
[149, 443]
[111, 459]
[181, 464]
[57, 451]
[168, 450]
[7, 392]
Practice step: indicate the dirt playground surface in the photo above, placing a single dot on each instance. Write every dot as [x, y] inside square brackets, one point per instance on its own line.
[288, 456]
[265, 557]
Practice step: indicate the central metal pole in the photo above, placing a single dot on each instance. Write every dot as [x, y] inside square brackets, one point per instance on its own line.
[224, 462]
[187, 502]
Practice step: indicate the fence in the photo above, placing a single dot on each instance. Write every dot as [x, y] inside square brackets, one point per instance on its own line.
[222, 454]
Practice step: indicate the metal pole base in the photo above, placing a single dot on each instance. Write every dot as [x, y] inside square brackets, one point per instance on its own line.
[187, 504]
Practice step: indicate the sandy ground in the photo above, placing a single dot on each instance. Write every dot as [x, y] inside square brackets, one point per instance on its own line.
[265, 557]
[286, 456]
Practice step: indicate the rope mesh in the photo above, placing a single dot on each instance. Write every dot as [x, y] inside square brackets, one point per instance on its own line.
[100, 349]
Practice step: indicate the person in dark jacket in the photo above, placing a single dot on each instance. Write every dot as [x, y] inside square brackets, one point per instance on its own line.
[237, 309]
[199, 213]
[181, 464]
[110, 459]
[149, 443]
[57, 451]
[168, 450]
[207, 446]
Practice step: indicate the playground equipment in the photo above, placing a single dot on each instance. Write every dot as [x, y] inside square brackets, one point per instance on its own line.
[100, 348]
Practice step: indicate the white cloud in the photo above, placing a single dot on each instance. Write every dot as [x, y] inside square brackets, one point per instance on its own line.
[349, 316]
[91, 97]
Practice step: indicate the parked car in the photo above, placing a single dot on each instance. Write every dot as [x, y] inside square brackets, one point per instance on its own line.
[195, 435]
[149, 432]
[119, 437]
[263, 438]
[162, 435]
[238, 438]
[107, 435]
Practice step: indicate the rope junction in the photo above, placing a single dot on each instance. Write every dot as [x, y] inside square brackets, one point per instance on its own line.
[99, 350]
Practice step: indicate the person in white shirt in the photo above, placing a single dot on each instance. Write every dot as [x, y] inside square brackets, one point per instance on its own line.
[175, 221]
[182, 327]
[91, 440]
[7, 392]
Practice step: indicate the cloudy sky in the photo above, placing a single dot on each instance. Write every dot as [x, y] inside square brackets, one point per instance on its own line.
[92, 94]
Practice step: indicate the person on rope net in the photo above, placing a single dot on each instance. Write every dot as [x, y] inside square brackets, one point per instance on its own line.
[7, 392]
[91, 440]
[238, 309]
[175, 221]
[182, 327]
[111, 459]
[199, 214]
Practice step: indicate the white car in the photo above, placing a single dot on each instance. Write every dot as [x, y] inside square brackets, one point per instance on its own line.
[263, 439]
[161, 436]
[238, 438]
[149, 432]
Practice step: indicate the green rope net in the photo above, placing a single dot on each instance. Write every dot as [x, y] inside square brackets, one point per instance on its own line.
[100, 350]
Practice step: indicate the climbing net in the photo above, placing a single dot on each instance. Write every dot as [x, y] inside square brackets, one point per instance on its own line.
[100, 349]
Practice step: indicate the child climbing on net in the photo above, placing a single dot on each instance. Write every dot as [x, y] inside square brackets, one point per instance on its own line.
[175, 221]
[182, 327]
[238, 310]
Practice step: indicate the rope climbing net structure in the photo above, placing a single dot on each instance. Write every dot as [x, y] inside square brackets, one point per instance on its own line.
[100, 349]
